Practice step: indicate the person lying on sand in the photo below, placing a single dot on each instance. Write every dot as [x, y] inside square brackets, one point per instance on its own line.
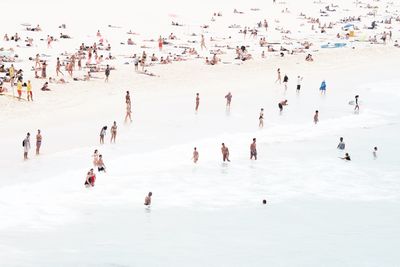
[59, 81]
[146, 72]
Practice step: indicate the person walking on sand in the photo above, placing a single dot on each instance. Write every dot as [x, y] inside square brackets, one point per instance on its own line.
[147, 199]
[107, 73]
[38, 141]
[29, 91]
[103, 132]
[316, 118]
[203, 43]
[357, 107]
[299, 80]
[27, 145]
[285, 81]
[278, 79]
[228, 100]
[19, 89]
[160, 43]
[113, 132]
[261, 119]
[128, 112]
[197, 102]
[322, 88]
[195, 155]
[100, 164]
[341, 144]
[58, 67]
[44, 66]
[127, 98]
[225, 153]
[253, 150]
[11, 73]
[281, 104]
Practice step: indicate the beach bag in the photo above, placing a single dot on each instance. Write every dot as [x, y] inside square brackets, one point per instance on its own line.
[23, 143]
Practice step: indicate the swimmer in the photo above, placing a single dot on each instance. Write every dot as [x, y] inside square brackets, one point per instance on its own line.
[107, 73]
[322, 88]
[357, 107]
[316, 117]
[195, 155]
[103, 132]
[261, 119]
[341, 144]
[299, 80]
[197, 102]
[225, 153]
[27, 145]
[346, 157]
[228, 100]
[100, 164]
[285, 81]
[147, 199]
[281, 104]
[375, 152]
[95, 157]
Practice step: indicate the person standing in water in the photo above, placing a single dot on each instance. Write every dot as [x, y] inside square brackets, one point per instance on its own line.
[261, 119]
[285, 81]
[27, 145]
[225, 153]
[197, 101]
[228, 100]
[322, 88]
[195, 155]
[95, 157]
[299, 80]
[38, 141]
[316, 118]
[375, 152]
[278, 79]
[107, 73]
[127, 98]
[113, 132]
[253, 150]
[100, 164]
[341, 144]
[281, 104]
[147, 199]
[103, 132]
[357, 107]
[128, 112]
[29, 91]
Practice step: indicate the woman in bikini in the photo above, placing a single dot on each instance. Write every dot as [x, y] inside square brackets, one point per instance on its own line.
[38, 142]
[113, 132]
